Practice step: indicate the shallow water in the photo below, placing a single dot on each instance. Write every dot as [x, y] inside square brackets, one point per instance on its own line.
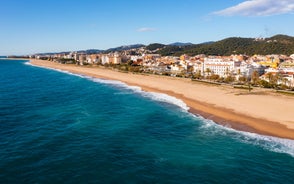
[58, 127]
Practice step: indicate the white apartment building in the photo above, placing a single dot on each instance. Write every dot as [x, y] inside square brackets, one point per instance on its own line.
[246, 69]
[104, 59]
[115, 59]
[288, 73]
[198, 66]
[135, 58]
[111, 59]
[220, 66]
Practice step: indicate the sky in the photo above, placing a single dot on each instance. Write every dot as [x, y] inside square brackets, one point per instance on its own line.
[38, 26]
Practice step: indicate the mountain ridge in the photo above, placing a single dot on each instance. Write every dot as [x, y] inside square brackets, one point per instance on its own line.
[277, 44]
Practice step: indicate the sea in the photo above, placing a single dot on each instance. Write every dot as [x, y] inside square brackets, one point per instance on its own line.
[59, 127]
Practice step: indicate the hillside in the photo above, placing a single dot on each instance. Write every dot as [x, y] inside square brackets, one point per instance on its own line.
[125, 47]
[279, 44]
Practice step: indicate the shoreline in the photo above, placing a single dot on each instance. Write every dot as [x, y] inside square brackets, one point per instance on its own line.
[225, 106]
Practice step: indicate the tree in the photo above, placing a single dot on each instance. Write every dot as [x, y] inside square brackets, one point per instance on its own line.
[272, 80]
[130, 62]
[239, 72]
[197, 75]
[227, 72]
[278, 78]
[265, 84]
[208, 71]
[255, 77]
[285, 81]
[229, 79]
[214, 77]
[243, 79]
[190, 70]
[249, 86]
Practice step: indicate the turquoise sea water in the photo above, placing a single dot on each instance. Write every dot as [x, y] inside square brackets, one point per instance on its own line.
[56, 127]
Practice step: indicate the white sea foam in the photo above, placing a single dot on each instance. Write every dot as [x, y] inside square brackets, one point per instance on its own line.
[270, 143]
[275, 144]
[111, 82]
[29, 63]
[55, 69]
[160, 97]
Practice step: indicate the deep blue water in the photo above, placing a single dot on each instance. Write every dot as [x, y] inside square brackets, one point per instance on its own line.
[61, 128]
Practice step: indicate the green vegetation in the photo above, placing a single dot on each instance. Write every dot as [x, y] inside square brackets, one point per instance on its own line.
[67, 61]
[172, 50]
[154, 46]
[127, 67]
[275, 81]
[255, 78]
[279, 44]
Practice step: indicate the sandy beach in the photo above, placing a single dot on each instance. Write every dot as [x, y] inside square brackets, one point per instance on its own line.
[260, 111]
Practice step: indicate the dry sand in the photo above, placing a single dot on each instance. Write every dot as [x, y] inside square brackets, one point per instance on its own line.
[260, 111]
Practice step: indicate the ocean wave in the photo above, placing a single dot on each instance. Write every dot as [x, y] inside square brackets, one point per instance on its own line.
[29, 63]
[270, 143]
[274, 144]
[160, 97]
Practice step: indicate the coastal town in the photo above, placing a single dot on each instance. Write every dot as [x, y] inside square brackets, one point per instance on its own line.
[147, 91]
[269, 71]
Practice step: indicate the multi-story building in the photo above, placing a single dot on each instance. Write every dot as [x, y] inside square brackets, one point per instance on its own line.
[220, 66]
[286, 69]
[136, 57]
[104, 59]
[111, 59]
[247, 68]
[151, 56]
[115, 59]
[184, 57]
[93, 58]
[271, 61]
[198, 66]
[82, 59]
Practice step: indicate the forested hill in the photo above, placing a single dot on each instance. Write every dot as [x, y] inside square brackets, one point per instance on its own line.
[279, 44]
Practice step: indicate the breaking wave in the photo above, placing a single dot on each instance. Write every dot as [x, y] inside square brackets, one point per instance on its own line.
[270, 143]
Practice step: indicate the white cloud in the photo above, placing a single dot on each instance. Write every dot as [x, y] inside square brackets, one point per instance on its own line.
[146, 29]
[259, 8]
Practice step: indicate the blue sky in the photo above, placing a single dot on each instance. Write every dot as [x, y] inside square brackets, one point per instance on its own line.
[33, 26]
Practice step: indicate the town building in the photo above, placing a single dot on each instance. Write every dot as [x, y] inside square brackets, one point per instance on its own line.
[219, 66]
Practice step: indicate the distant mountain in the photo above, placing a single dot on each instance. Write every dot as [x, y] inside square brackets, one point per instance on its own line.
[125, 47]
[181, 44]
[279, 44]
[90, 51]
[154, 46]
[207, 43]
[52, 53]
[285, 39]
